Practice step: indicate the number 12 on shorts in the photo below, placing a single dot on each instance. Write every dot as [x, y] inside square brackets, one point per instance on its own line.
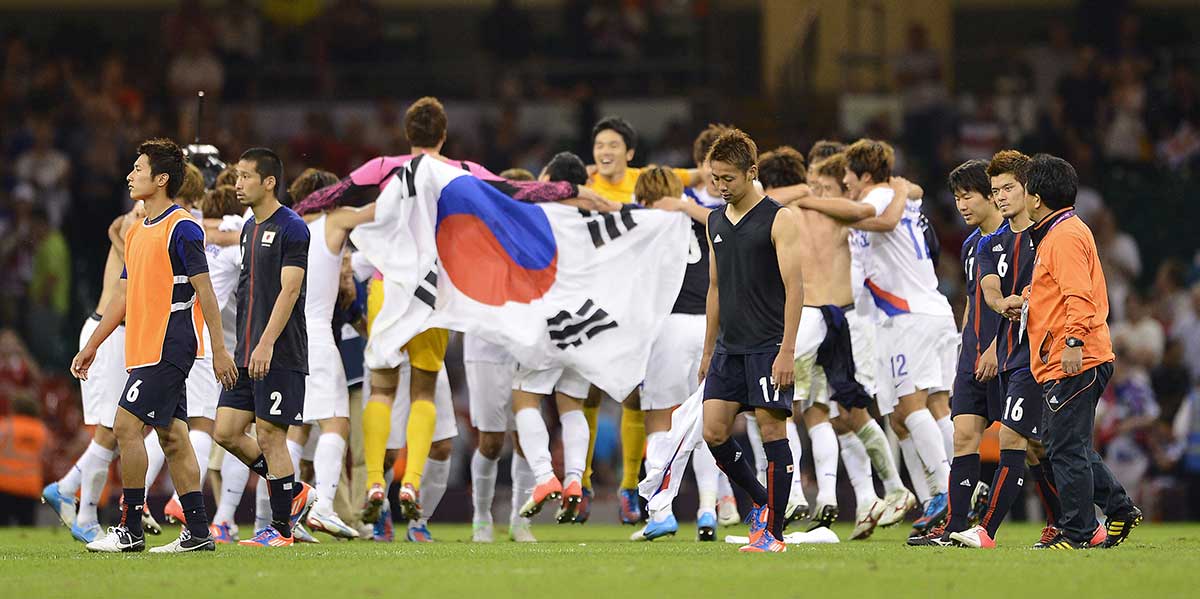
[767, 384]
[1013, 410]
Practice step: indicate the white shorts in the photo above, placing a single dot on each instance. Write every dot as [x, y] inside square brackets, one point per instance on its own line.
[674, 362]
[326, 394]
[812, 387]
[489, 386]
[203, 390]
[106, 376]
[916, 352]
[545, 382]
[447, 424]
[862, 341]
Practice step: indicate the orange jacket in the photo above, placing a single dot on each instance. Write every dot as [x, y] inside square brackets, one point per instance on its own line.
[22, 440]
[1067, 297]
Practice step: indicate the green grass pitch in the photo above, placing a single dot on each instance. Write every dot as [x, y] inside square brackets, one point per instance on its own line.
[1159, 560]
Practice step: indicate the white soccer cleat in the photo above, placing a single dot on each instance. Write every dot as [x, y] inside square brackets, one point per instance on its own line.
[482, 532]
[727, 511]
[331, 523]
[117, 540]
[186, 543]
[899, 503]
[867, 518]
[797, 506]
[149, 524]
[975, 537]
[522, 533]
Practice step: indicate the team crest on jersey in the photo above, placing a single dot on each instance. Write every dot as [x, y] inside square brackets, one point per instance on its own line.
[268, 238]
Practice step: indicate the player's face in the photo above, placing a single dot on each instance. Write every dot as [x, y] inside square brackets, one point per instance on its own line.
[610, 154]
[973, 207]
[142, 184]
[1009, 194]
[855, 184]
[249, 186]
[731, 182]
[825, 186]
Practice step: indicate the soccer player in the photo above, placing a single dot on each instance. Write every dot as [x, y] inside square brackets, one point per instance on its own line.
[755, 296]
[272, 345]
[671, 375]
[164, 296]
[976, 389]
[1065, 315]
[704, 192]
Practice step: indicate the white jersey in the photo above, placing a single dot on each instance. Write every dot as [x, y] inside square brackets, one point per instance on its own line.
[898, 271]
[323, 274]
[475, 349]
[224, 267]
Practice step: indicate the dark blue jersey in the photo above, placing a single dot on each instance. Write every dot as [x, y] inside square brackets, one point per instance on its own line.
[267, 247]
[693, 294]
[749, 284]
[1009, 256]
[980, 327]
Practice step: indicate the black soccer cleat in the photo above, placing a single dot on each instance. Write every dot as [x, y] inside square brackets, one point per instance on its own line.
[938, 537]
[1119, 527]
[825, 516]
[979, 503]
[1062, 543]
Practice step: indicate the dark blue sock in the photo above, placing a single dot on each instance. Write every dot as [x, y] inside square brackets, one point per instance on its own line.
[964, 475]
[194, 513]
[1006, 487]
[734, 463]
[1043, 480]
[779, 482]
[281, 503]
[259, 465]
[133, 501]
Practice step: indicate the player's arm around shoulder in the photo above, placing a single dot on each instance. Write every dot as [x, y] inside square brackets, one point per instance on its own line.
[889, 219]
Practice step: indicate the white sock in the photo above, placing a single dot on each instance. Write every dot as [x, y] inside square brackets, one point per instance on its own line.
[916, 470]
[93, 473]
[858, 468]
[535, 443]
[262, 505]
[523, 483]
[483, 487]
[433, 486]
[947, 427]
[928, 440]
[575, 445]
[756, 446]
[234, 475]
[202, 443]
[793, 437]
[69, 484]
[724, 489]
[825, 462]
[154, 460]
[876, 444]
[706, 471]
[295, 451]
[328, 462]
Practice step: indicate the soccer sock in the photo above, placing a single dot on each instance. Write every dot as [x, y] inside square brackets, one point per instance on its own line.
[422, 420]
[882, 460]
[295, 451]
[132, 503]
[916, 471]
[928, 440]
[377, 425]
[797, 449]
[437, 475]
[202, 443]
[1040, 473]
[262, 504]
[779, 482]
[707, 475]
[523, 482]
[194, 512]
[964, 475]
[68, 485]
[483, 487]
[535, 443]
[94, 472]
[825, 462]
[327, 469]
[154, 459]
[574, 443]
[760, 459]
[234, 475]
[1006, 486]
[259, 466]
[732, 461]
[281, 493]
[592, 414]
[633, 446]
[858, 469]
[947, 427]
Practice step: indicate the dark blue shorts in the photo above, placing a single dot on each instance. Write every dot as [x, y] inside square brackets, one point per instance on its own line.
[278, 398]
[155, 394]
[1021, 406]
[973, 397]
[746, 379]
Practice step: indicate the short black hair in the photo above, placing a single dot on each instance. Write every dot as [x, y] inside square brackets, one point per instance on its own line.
[823, 149]
[267, 164]
[781, 167]
[971, 176]
[621, 126]
[165, 156]
[566, 166]
[1053, 180]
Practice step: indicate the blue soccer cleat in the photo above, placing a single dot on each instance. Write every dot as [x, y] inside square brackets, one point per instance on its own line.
[630, 509]
[418, 533]
[934, 515]
[267, 537]
[706, 527]
[655, 528]
[761, 539]
[86, 534]
[62, 505]
[382, 530]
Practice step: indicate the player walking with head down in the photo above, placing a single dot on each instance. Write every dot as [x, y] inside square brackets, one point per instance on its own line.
[755, 296]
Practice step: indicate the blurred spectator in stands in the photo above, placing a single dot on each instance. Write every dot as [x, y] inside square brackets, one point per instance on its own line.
[1175, 118]
[1082, 155]
[1186, 432]
[1124, 419]
[1120, 259]
[1050, 61]
[1171, 380]
[1188, 333]
[47, 170]
[23, 439]
[615, 29]
[49, 291]
[920, 78]
[178, 25]
[18, 369]
[195, 68]
[352, 30]
[980, 134]
[318, 146]
[1139, 334]
[16, 257]
[359, 147]
[1080, 92]
[1171, 292]
[507, 33]
[238, 33]
[17, 78]
[1125, 137]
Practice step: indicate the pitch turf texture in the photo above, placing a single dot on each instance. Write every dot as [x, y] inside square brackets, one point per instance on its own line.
[596, 561]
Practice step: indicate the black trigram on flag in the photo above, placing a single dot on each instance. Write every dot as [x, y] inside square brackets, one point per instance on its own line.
[607, 226]
[427, 288]
[571, 330]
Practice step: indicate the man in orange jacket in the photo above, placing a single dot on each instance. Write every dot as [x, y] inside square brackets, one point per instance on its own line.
[22, 443]
[1071, 354]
